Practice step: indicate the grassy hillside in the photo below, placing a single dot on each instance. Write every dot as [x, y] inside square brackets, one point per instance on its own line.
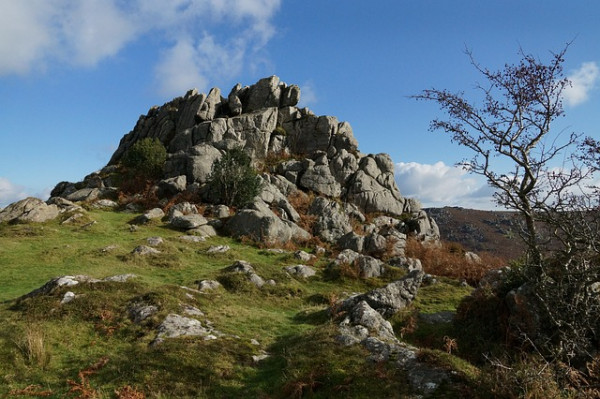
[90, 347]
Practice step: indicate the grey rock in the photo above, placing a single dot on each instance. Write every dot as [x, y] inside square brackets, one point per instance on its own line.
[204, 231]
[246, 268]
[261, 224]
[240, 266]
[367, 265]
[290, 96]
[175, 325]
[119, 278]
[191, 310]
[105, 203]
[154, 241]
[68, 297]
[200, 161]
[221, 211]
[148, 216]
[217, 249]
[189, 238]
[332, 221]
[304, 256]
[139, 312]
[373, 187]
[172, 186]
[85, 194]
[389, 299]
[29, 210]
[300, 271]
[352, 241]
[363, 321]
[208, 285]
[188, 222]
[211, 106]
[318, 178]
[437, 318]
[182, 208]
[143, 250]
[264, 94]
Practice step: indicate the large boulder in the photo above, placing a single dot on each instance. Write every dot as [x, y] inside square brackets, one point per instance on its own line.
[29, 210]
[260, 223]
[373, 187]
[332, 221]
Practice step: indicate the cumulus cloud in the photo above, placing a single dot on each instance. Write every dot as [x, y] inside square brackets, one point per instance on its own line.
[226, 33]
[583, 81]
[438, 185]
[10, 192]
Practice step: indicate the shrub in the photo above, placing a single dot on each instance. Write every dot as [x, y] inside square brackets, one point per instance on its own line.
[233, 181]
[146, 157]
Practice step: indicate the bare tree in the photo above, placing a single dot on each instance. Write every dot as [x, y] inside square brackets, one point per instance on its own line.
[543, 181]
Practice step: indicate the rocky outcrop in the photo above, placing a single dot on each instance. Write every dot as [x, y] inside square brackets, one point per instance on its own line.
[297, 151]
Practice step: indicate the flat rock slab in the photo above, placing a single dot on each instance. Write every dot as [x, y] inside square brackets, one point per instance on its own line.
[145, 250]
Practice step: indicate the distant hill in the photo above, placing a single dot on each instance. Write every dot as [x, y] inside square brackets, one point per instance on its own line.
[495, 232]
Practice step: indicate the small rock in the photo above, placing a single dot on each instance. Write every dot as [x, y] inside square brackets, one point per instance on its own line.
[258, 358]
[189, 238]
[109, 248]
[300, 271]
[145, 250]
[154, 241]
[188, 222]
[254, 342]
[119, 278]
[304, 256]
[139, 312]
[217, 249]
[105, 203]
[208, 285]
[191, 310]
[68, 297]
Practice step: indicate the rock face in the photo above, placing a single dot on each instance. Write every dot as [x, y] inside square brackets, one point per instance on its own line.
[297, 150]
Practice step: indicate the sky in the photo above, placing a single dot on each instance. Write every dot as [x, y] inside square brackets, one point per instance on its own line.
[75, 75]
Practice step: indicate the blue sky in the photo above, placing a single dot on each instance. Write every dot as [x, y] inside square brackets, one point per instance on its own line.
[76, 74]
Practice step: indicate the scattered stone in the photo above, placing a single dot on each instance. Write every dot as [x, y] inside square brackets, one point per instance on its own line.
[368, 266]
[155, 241]
[217, 249]
[189, 238]
[254, 342]
[204, 231]
[191, 310]
[133, 228]
[145, 250]
[68, 297]
[69, 281]
[246, 268]
[257, 358]
[139, 312]
[300, 271]
[208, 285]
[105, 203]
[120, 278]
[175, 325]
[304, 256]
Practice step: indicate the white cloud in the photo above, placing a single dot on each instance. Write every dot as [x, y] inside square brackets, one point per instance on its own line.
[583, 80]
[10, 192]
[439, 185]
[227, 34]
[308, 94]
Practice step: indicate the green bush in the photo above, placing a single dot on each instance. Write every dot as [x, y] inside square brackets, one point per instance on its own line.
[146, 157]
[233, 181]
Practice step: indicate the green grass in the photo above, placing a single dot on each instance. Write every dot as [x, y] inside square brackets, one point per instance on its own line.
[44, 345]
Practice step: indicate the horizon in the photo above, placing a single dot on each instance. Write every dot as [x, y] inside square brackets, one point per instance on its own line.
[75, 76]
